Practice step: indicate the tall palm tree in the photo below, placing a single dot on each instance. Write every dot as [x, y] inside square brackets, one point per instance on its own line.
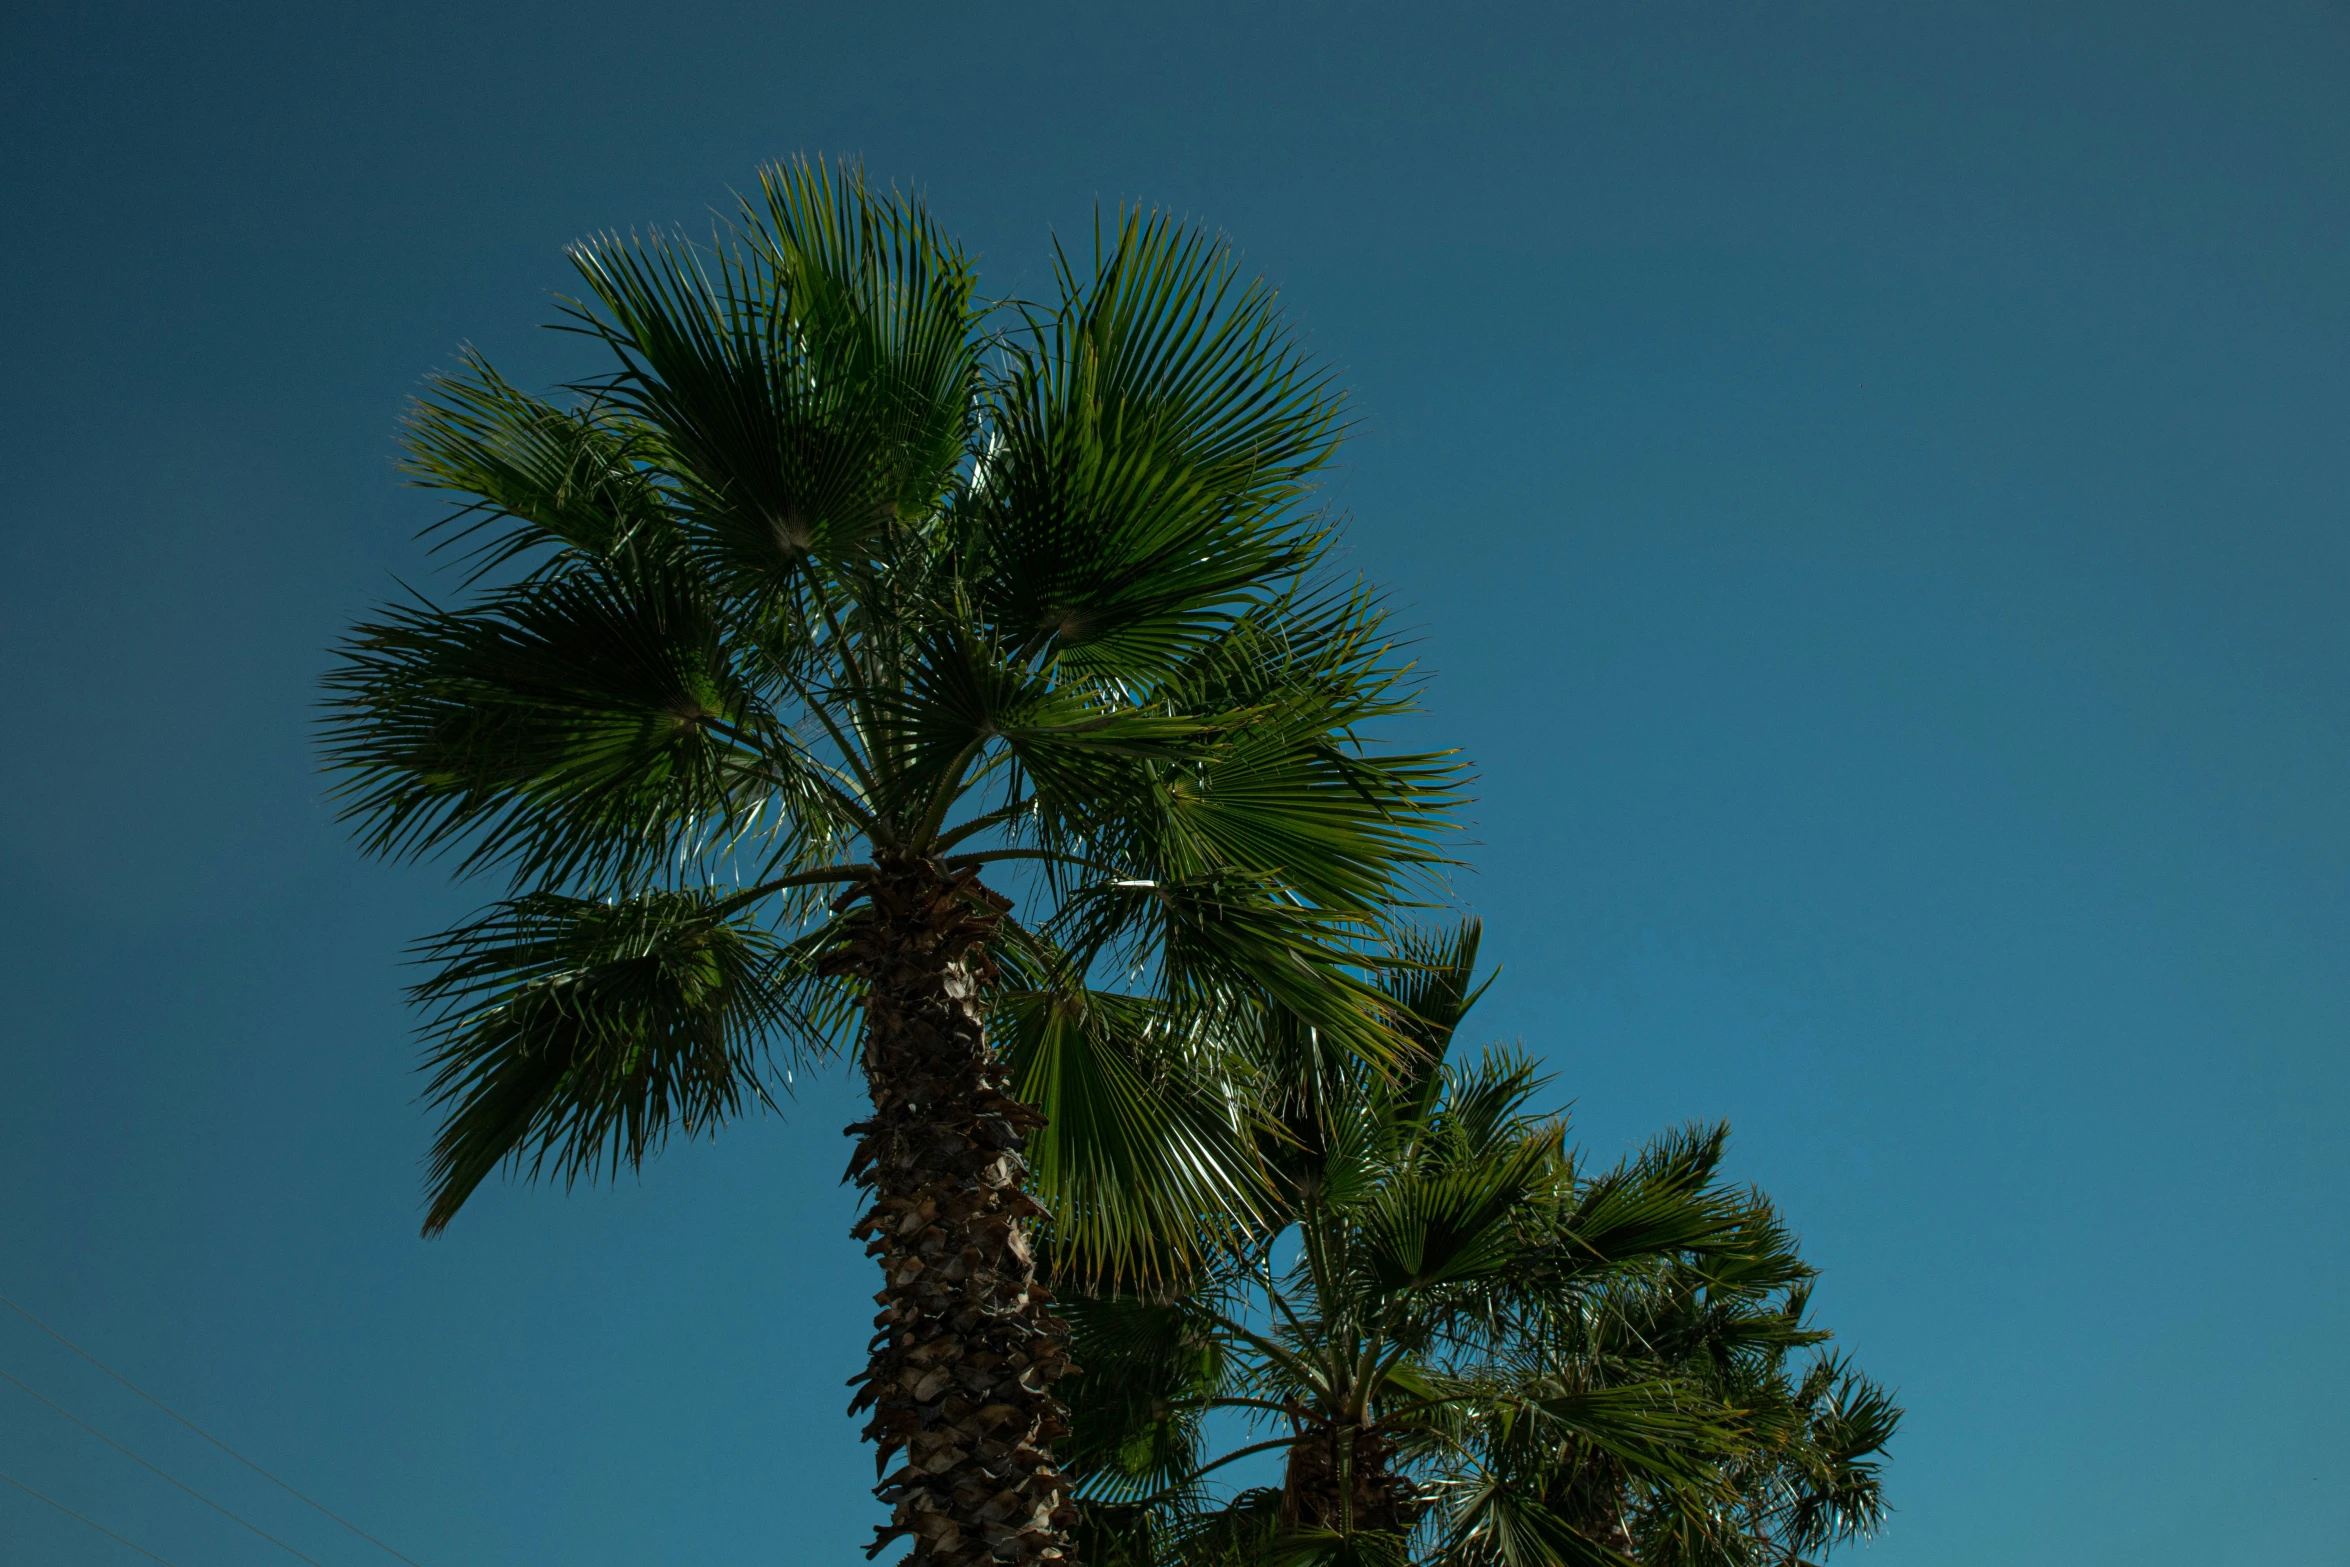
[787, 638]
[1468, 1352]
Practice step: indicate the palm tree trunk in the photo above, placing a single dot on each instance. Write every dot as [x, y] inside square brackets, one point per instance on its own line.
[1342, 1478]
[960, 1381]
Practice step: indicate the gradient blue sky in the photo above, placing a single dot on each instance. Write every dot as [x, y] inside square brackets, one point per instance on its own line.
[1871, 481]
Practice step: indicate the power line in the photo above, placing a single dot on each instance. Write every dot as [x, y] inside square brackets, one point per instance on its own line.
[174, 1479]
[92, 1522]
[200, 1431]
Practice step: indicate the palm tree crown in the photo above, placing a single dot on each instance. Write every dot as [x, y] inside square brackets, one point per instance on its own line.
[824, 600]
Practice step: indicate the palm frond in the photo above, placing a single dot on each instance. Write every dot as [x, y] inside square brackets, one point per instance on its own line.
[1432, 981]
[1135, 1429]
[1154, 435]
[574, 1034]
[1143, 1158]
[1495, 1520]
[1450, 1223]
[592, 722]
[813, 374]
[567, 479]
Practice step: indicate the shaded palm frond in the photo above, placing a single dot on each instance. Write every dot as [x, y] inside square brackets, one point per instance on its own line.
[589, 723]
[574, 1034]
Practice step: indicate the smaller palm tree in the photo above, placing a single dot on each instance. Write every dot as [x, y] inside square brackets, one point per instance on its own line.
[1467, 1351]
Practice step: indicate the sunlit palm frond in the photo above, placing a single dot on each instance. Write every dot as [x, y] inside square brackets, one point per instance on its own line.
[1154, 435]
[1144, 1154]
[813, 375]
[578, 479]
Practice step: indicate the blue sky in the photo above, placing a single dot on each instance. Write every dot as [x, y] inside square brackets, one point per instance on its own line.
[1869, 481]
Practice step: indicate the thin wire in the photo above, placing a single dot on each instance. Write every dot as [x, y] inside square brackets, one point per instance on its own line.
[200, 1431]
[174, 1479]
[92, 1522]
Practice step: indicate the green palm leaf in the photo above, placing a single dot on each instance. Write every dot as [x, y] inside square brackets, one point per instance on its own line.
[573, 1034]
[575, 479]
[593, 722]
[1153, 437]
[813, 379]
[1143, 1139]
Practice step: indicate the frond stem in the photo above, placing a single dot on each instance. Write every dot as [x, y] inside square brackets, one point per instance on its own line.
[949, 839]
[751, 895]
[1305, 1371]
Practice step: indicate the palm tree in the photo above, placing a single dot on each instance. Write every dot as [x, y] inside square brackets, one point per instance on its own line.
[783, 640]
[1469, 1352]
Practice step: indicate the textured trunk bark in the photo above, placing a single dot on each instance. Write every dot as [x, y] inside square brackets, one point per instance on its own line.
[967, 1347]
[1340, 1478]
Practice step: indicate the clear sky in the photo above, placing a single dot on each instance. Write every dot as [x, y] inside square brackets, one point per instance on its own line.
[1870, 480]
